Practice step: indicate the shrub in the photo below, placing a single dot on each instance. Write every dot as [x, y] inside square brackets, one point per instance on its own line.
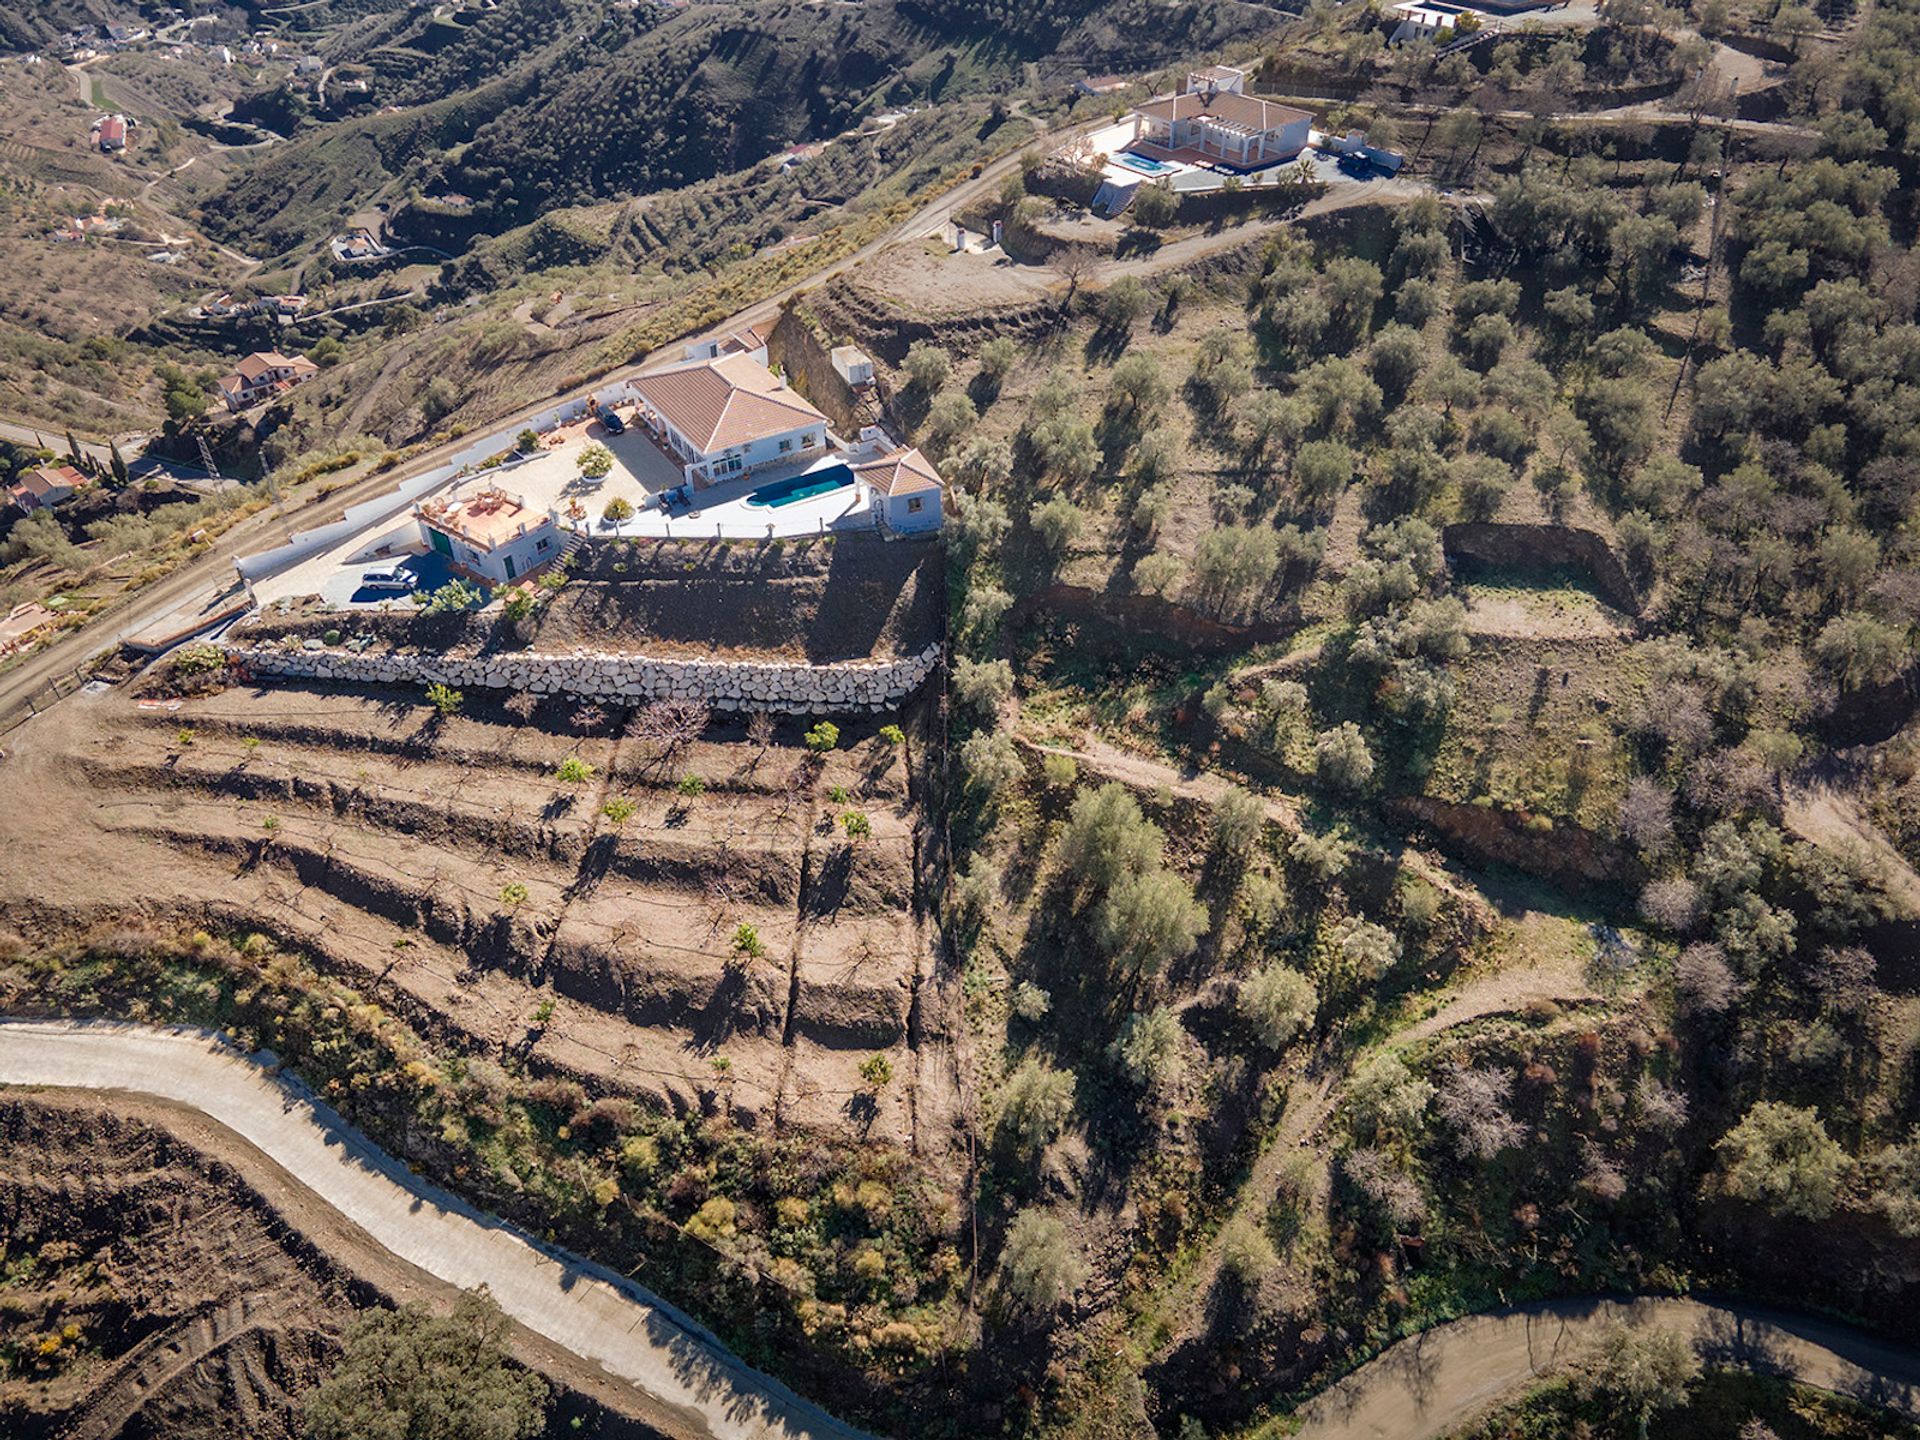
[1474, 1103]
[1038, 1267]
[691, 787]
[573, 771]
[1276, 1004]
[892, 735]
[451, 598]
[747, 942]
[1029, 1002]
[1342, 758]
[527, 441]
[1058, 522]
[619, 809]
[618, 510]
[1060, 771]
[823, 737]
[857, 825]
[1781, 1157]
[513, 895]
[595, 461]
[444, 698]
[1245, 1251]
[876, 1071]
[429, 1377]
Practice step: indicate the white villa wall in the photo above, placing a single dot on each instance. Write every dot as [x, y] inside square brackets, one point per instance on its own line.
[905, 518]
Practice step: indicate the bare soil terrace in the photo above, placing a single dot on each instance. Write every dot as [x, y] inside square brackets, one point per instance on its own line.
[441, 865]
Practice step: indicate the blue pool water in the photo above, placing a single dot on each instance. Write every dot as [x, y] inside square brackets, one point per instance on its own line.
[1143, 164]
[796, 488]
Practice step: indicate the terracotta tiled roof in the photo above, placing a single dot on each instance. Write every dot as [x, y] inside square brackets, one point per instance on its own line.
[1246, 110]
[486, 520]
[904, 472]
[730, 401]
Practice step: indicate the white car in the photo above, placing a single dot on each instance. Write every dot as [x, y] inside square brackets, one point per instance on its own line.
[399, 580]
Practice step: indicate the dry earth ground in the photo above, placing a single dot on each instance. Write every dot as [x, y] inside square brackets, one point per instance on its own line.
[390, 844]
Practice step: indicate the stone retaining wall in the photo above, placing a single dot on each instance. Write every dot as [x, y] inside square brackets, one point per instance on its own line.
[788, 689]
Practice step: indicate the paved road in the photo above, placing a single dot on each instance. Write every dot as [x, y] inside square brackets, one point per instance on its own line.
[1430, 1384]
[579, 1306]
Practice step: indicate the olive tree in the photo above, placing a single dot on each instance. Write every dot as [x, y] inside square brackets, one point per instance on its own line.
[1148, 920]
[1148, 1048]
[1780, 1157]
[1034, 1105]
[1107, 837]
[412, 1374]
[1276, 1004]
[1637, 1373]
[1039, 1266]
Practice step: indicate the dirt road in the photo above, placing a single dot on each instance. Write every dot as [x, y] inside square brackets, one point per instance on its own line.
[578, 1306]
[1432, 1383]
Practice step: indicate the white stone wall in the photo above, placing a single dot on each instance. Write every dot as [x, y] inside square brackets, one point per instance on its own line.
[789, 689]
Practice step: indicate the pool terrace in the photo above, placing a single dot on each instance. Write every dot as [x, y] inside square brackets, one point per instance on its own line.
[812, 496]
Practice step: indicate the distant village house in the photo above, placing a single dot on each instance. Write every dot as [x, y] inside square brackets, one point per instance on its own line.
[44, 487]
[263, 374]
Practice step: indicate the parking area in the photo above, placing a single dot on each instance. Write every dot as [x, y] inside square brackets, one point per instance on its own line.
[552, 479]
[346, 588]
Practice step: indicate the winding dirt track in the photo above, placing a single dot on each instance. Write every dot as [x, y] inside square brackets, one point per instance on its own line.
[1432, 1383]
[702, 1389]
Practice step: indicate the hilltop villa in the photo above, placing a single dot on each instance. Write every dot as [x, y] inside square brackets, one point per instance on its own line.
[1215, 122]
[728, 416]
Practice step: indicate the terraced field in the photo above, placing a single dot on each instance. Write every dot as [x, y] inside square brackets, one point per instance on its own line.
[443, 866]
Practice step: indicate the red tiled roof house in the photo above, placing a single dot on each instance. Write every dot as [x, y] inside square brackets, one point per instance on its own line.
[262, 374]
[44, 487]
[725, 417]
[902, 488]
[1223, 126]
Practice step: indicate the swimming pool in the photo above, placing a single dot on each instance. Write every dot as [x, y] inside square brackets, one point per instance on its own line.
[796, 488]
[1143, 164]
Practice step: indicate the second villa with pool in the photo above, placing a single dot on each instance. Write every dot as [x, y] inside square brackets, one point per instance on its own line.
[756, 457]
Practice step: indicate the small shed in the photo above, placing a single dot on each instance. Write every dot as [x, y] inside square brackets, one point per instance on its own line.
[903, 490]
[852, 364]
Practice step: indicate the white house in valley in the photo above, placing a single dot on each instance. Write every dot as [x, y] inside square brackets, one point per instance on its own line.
[725, 417]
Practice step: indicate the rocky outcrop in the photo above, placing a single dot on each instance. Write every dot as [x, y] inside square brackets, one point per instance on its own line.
[782, 688]
[1565, 854]
[1545, 547]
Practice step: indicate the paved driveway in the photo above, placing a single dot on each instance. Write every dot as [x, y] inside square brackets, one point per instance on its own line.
[343, 589]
